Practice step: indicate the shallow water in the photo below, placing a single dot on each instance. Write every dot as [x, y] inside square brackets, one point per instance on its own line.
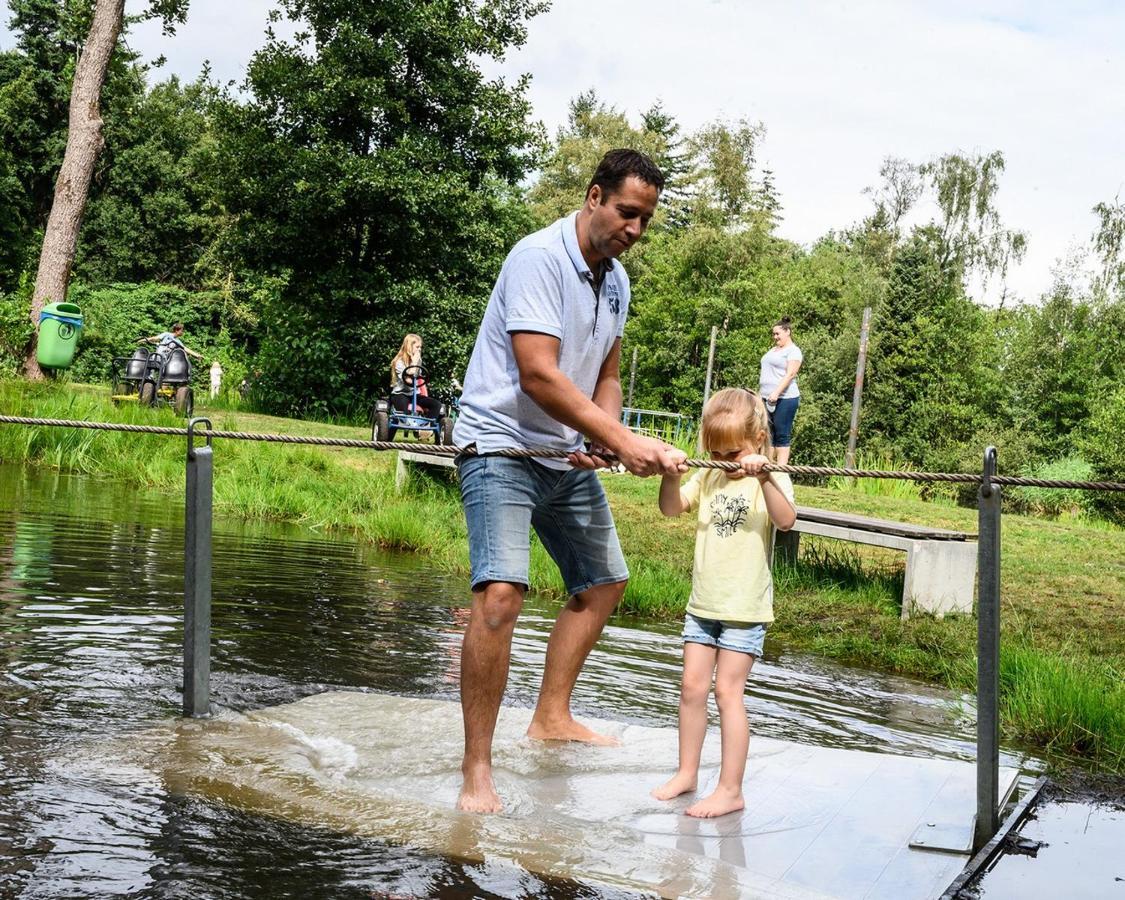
[90, 655]
[1073, 850]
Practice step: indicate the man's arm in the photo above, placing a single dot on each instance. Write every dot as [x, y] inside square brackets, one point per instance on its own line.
[537, 357]
[607, 392]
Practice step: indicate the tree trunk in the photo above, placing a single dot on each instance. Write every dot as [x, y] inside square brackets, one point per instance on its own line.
[83, 144]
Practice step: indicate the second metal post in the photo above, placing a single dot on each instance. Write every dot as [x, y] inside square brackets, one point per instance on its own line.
[988, 655]
[197, 576]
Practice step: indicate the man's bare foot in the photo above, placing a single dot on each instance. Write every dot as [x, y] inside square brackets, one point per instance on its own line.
[676, 785]
[718, 803]
[569, 730]
[478, 795]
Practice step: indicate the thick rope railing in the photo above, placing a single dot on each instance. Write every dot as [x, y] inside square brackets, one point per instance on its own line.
[545, 453]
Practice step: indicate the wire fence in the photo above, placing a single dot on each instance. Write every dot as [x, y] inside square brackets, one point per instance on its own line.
[446, 450]
[197, 561]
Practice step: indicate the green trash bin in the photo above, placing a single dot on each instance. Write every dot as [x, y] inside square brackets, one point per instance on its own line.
[59, 325]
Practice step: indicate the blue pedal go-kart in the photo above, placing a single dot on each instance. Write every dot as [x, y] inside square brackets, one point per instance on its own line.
[386, 421]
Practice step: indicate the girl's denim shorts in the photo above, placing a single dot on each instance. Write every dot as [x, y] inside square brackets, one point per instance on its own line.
[742, 637]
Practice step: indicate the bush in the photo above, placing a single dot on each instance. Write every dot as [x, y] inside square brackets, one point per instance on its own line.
[1053, 501]
[1016, 452]
[1104, 446]
[882, 461]
[15, 331]
[217, 324]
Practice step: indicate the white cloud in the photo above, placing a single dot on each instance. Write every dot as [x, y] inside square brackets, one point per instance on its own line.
[839, 86]
[223, 32]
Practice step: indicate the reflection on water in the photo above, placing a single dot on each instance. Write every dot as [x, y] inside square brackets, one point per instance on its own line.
[90, 651]
[1070, 850]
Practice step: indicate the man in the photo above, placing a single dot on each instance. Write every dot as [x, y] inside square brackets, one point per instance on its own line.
[545, 371]
[167, 341]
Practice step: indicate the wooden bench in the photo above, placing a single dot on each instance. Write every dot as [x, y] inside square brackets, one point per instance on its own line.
[941, 565]
[419, 457]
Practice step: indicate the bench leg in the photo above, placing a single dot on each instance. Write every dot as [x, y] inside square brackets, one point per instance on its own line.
[400, 475]
[940, 577]
[786, 545]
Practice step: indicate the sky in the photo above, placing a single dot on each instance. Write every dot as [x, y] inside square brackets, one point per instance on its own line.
[838, 86]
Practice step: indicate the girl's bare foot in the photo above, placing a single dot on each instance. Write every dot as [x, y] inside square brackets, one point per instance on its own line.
[718, 803]
[680, 783]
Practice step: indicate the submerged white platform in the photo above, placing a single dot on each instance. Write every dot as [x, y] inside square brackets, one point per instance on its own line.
[818, 822]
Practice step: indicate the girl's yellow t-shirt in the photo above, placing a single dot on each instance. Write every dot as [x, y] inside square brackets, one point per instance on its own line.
[731, 579]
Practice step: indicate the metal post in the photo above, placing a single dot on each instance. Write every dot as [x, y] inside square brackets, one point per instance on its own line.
[857, 393]
[197, 576]
[632, 378]
[710, 364]
[988, 656]
[707, 381]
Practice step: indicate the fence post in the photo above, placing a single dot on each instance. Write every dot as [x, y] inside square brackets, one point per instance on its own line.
[857, 391]
[632, 377]
[707, 380]
[197, 575]
[988, 655]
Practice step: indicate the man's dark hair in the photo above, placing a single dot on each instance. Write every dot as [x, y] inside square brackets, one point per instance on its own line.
[617, 165]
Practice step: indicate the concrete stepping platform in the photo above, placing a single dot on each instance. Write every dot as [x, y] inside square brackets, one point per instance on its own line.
[819, 822]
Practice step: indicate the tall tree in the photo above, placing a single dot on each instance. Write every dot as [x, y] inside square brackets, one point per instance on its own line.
[968, 227]
[369, 166]
[933, 369]
[592, 128]
[1109, 244]
[84, 143]
[674, 159]
[724, 191]
[35, 80]
[972, 235]
[152, 213]
[768, 200]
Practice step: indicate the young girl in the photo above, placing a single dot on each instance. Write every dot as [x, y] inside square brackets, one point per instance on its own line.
[410, 354]
[732, 591]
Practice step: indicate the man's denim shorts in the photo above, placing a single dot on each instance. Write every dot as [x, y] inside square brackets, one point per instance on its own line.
[742, 637]
[504, 498]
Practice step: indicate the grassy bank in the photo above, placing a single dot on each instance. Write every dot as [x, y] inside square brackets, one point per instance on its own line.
[1063, 652]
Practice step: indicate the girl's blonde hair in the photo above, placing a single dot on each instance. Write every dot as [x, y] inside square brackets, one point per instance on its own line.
[735, 415]
[404, 355]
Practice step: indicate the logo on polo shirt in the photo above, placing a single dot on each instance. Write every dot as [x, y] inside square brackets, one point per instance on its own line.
[614, 299]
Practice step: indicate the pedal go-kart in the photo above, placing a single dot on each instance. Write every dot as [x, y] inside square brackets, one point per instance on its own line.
[386, 421]
[152, 377]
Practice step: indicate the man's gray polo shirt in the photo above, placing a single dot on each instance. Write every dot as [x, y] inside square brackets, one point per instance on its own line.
[546, 287]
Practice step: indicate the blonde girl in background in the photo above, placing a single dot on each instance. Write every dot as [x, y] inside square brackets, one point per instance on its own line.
[731, 601]
[410, 354]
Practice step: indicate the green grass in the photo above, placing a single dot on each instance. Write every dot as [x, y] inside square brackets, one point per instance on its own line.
[876, 487]
[1063, 593]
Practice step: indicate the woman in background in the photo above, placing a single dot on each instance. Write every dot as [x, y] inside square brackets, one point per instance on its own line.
[777, 386]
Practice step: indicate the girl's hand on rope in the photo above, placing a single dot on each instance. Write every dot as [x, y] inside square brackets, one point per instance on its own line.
[752, 465]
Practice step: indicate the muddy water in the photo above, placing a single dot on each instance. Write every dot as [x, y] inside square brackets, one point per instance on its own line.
[90, 656]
